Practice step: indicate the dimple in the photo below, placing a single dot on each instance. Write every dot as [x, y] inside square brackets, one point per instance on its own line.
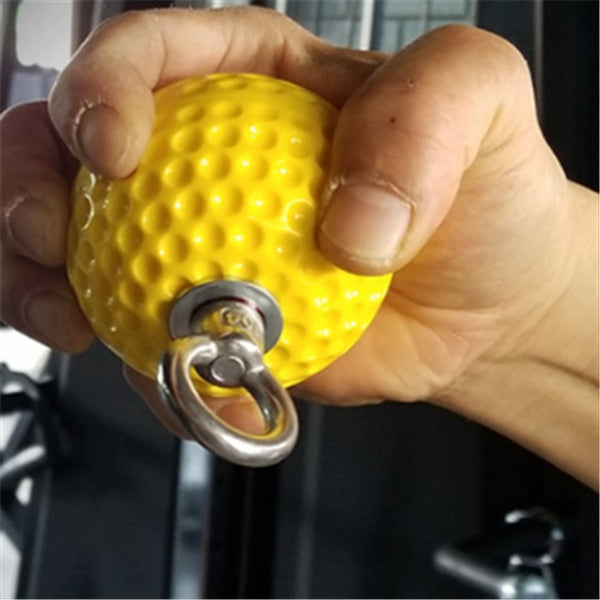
[228, 188]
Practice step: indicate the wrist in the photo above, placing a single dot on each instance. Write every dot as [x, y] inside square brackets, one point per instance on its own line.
[541, 388]
[548, 410]
[567, 336]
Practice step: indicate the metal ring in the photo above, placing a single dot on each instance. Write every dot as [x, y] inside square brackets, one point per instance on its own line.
[555, 540]
[181, 396]
[182, 312]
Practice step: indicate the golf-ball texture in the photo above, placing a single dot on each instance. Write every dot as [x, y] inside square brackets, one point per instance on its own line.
[226, 189]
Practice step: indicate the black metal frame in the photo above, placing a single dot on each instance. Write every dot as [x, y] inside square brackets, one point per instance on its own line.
[32, 451]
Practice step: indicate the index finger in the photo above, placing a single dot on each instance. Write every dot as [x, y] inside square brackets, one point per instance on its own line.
[102, 104]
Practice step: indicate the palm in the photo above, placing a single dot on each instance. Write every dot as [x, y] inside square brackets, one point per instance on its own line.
[459, 296]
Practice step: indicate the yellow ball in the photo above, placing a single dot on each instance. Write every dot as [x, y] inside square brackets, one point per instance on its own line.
[227, 189]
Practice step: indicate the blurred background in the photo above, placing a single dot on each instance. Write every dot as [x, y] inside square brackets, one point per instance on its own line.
[398, 501]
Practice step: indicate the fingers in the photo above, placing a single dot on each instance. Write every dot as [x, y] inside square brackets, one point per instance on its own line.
[35, 295]
[38, 301]
[34, 192]
[102, 103]
[240, 412]
[405, 139]
[101, 107]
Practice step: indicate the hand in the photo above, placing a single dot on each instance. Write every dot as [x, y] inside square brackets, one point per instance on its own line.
[452, 187]
[100, 113]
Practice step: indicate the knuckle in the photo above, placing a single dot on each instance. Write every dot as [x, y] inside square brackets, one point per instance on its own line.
[486, 47]
[123, 20]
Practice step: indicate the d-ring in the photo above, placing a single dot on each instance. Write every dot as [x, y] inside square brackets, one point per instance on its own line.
[181, 396]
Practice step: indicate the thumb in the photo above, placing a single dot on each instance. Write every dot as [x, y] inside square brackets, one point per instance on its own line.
[405, 138]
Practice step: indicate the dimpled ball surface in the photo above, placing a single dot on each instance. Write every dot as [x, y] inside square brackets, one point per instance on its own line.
[227, 188]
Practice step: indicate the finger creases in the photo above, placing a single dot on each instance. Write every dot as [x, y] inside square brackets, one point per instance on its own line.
[38, 301]
[107, 86]
[34, 190]
[422, 119]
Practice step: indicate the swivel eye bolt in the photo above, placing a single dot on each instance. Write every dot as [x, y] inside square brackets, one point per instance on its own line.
[221, 330]
[201, 269]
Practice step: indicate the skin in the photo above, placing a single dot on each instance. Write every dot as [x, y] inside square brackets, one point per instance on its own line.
[493, 307]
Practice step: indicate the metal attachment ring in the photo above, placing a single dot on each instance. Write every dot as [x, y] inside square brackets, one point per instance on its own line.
[180, 395]
[220, 331]
[182, 313]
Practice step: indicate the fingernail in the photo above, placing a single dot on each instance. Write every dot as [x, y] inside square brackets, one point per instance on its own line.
[53, 317]
[103, 139]
[366, 222]
[29, 226]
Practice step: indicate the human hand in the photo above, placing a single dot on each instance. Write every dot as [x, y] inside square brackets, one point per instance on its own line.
[441, 174]
[100, 113]
[452, 187]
